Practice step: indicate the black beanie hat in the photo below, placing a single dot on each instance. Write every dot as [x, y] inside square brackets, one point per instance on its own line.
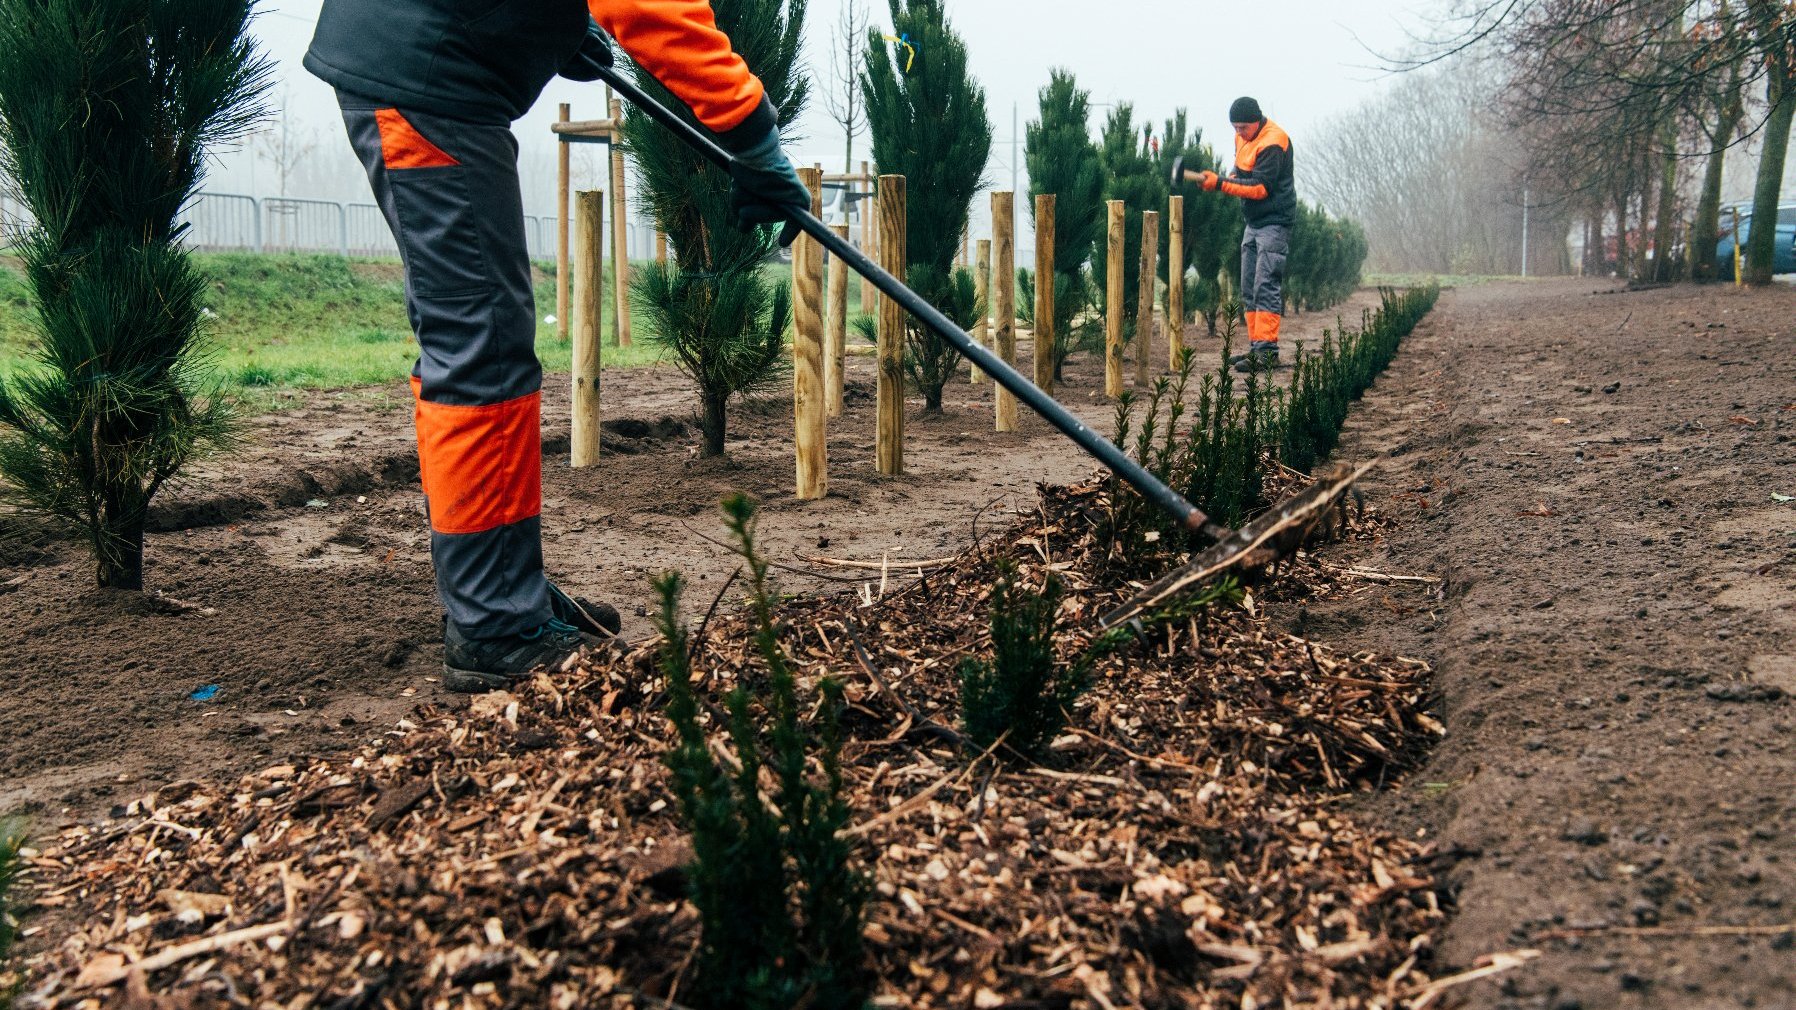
[1245, 110]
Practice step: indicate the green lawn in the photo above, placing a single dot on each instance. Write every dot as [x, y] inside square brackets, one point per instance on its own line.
[310, 322]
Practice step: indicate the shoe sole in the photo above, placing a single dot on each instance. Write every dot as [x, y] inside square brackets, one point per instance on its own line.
[475, 681]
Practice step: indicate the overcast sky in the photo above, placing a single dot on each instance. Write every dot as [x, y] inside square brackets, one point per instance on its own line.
[1305, 60]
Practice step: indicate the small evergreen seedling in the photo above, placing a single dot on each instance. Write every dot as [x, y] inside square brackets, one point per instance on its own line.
[781, 900]
[12, 839]
[1023, 690]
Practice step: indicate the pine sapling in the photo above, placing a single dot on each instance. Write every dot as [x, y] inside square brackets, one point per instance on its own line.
[781, 899]
[12, 840]
[1022, 693]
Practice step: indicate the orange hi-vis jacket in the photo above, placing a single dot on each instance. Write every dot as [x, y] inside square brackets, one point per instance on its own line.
[489, 60]
[1263, 177]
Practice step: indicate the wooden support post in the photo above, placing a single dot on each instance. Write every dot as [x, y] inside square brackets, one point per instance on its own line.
[982, 290]
[1003, 287]
[870, 243]
[807, 353]
[1144, 307]
[1045, 334]
[1113, 304]
[563, 180]
[660, 247]
[892, 256]
[620, 229]
[588, 293]
[1175, 281]
[835, 339]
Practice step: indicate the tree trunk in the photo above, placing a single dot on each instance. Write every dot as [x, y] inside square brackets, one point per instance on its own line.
[119, 550]
[712, 421]
[1621, 237]
[1705, 230]
[1761, 242]
[1664, 227]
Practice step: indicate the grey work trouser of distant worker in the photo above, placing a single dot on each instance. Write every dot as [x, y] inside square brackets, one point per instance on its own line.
[1263, 280]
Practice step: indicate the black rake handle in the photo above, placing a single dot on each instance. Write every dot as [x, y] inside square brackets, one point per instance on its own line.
[1099, 447]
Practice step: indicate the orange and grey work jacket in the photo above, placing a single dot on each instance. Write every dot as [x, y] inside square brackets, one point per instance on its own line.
[487, 61]
[1263, 177]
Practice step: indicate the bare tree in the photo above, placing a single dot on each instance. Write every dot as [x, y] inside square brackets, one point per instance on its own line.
[1627, 92]
[842, 99]
[284, 145]
[1452, 203]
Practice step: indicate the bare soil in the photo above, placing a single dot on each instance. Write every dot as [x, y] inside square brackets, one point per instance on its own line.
[1587, 472]
[1590, 473]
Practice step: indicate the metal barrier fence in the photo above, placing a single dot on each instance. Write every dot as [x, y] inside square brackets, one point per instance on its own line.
[235, 222]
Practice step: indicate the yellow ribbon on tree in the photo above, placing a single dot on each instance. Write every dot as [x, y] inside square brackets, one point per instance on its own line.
[910, 50]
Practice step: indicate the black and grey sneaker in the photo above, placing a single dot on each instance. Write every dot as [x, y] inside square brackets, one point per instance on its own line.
[478, 665]
[1263, 357]
[596, 619]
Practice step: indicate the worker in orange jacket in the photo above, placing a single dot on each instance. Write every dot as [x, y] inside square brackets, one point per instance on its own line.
[429, 90]
[1263, 180]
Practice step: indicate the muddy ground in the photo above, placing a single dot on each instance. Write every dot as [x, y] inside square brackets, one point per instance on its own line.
[1589, 473]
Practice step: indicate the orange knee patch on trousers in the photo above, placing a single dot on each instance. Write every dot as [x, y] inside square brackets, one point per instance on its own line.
[482, 465]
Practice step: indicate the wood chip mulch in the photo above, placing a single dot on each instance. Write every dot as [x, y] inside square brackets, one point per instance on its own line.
[1183, 845]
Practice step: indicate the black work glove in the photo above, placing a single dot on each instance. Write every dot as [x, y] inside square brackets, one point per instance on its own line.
[766, 188]
[594, 54]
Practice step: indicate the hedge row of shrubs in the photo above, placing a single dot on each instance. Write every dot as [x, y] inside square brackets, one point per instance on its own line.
[1219, 458]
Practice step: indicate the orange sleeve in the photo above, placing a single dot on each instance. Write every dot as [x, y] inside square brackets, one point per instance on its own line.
[679, 43]
[1246, 191]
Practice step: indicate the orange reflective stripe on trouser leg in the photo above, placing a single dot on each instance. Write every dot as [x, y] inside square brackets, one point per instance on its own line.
[1269, 327]
[1255, 325]
[402, 146]
[482, 465]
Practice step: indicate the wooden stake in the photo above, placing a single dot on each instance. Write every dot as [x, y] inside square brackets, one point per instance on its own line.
[620, 229]
[835, 338]
[1175, 281]
[1003, 287]
[588, 293]
[660, 247]
[563, 180]
[1144, 308]
[1045, 335]
[807, 353]
[870, 242]
[893, 257]
[1113, 306]
[982, 289]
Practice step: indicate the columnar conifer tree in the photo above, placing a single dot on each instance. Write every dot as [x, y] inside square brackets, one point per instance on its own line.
[927, 118]
[1063, 160]
[107, 111]
[711, 305]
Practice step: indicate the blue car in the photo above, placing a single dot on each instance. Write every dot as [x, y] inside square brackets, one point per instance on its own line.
[1783, 262]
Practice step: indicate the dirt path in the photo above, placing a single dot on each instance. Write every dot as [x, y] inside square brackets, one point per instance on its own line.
[1591, 474]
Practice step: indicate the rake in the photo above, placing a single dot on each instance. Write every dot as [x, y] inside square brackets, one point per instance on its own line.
[1257, 543]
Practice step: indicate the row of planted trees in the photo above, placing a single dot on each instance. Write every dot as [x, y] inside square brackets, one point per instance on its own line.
[1130, 162]
[927, 116]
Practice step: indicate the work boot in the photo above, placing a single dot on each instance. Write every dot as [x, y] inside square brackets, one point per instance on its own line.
[1261, 356]
[597, 619]
[478, 665]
